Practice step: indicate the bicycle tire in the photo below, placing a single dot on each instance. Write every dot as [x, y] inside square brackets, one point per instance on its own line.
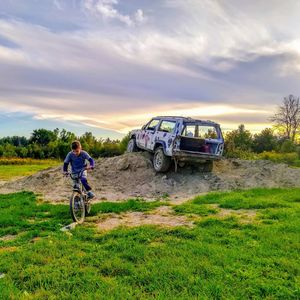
[88, 207]
[77, 208]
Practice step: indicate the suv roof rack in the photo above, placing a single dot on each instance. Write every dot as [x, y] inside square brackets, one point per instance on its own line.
[186, 119]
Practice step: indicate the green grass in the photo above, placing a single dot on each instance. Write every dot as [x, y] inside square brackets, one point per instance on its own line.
[129, 205]
[252, 199]
[191, 208]
[217, 259]
[10, 169]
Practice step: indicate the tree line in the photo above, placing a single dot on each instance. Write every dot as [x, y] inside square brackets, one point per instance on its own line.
[45, 143]
[241, 141]
[283, 137]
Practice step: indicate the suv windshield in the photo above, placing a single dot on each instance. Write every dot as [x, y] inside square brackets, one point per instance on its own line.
[200, 131]
[152, 124]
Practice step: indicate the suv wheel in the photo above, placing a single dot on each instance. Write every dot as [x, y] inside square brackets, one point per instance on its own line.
[131, 146]
[161, 162]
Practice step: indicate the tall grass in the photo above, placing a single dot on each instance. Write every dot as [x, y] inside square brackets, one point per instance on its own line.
[11, 168]
[27, 161]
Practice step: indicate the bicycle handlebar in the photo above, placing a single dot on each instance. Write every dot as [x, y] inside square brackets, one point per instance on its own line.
[80, 173]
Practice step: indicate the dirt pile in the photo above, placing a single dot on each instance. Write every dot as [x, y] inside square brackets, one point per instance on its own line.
[132, 175]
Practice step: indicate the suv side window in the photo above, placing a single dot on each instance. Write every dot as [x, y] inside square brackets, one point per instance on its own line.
[167, 126]
[152, 124]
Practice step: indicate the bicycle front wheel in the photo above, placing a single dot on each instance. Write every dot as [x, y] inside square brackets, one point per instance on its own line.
[77, 207]
[87, 207]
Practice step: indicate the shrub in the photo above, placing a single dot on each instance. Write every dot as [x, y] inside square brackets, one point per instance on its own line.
[288, 158]
[124, 142]
[242, 154]
[288, 147]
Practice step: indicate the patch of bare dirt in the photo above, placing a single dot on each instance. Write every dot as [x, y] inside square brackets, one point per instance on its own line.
[8, 237]
[244, 215]
[8, 249]
[162, 216]
[2, 182]
[131, 175]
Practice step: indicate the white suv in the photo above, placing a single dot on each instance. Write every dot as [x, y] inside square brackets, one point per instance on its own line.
[178, 138]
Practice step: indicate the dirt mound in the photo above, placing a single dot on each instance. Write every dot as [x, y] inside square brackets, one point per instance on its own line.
[132, 175]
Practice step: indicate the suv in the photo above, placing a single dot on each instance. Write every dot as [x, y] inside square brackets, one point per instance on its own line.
[181, 139]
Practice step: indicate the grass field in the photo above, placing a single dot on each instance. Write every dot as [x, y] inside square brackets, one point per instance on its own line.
[16, 167]
[220, 258]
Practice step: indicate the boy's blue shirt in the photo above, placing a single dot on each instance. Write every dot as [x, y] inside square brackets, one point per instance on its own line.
[77, 162]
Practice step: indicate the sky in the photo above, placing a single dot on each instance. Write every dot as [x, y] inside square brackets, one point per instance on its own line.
[108, 66]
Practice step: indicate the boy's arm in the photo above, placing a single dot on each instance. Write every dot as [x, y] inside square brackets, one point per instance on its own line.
[91, 161]
[65, 167]
[66, 163]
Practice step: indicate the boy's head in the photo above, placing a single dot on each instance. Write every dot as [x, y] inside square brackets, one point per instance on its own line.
[76, 147]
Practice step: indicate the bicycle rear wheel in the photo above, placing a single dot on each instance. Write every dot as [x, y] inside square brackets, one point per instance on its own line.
[77, 207]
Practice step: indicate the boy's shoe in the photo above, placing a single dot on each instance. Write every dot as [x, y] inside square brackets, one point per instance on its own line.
[90, 195]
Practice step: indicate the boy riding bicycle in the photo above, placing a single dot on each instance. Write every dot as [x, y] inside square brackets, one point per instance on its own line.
[77, 158]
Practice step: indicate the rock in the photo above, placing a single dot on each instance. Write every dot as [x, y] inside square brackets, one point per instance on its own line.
[123, 164]
[236, 163]
[69, 227]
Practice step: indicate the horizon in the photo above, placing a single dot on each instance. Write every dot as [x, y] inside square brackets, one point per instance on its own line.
[109, 66]
[82, 131]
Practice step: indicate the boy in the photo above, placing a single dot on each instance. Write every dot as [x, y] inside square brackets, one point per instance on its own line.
[77, 158]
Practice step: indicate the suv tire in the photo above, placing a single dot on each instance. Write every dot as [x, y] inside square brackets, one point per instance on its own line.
[131, 146]
[161, 162]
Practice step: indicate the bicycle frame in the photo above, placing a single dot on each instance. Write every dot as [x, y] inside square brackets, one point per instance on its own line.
[76, 176]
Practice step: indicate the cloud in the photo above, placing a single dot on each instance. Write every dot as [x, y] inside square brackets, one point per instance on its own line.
[198, 58]
[58, 4]
[139, 16]
[107, 9]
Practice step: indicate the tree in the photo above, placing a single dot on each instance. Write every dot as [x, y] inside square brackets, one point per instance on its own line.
[239, 139]
[43, 137]
[264, 141]
[67, 136]
[288, 117]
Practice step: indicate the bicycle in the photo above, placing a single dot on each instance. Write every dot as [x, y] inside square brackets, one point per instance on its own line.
[80, 206]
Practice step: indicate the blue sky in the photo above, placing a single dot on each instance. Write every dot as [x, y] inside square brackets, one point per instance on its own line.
[107, 66]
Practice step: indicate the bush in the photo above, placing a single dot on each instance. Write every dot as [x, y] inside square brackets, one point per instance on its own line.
[289, 158]
[242, 154]
[298, 151]
[264, 141]
[288, 147]
[124, 142]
